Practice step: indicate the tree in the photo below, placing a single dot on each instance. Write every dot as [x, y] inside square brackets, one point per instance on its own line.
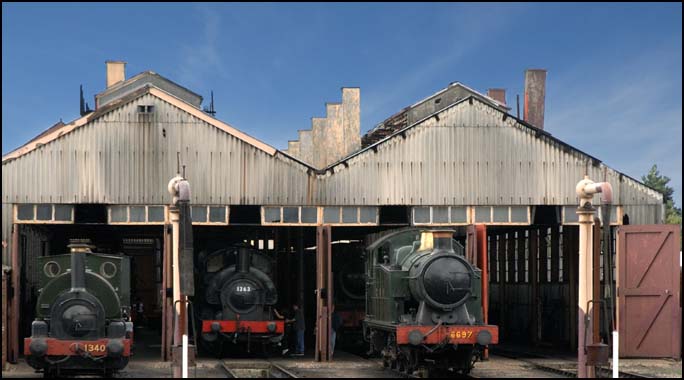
[655, 180]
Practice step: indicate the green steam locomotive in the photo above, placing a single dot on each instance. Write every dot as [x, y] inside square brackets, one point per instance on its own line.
[423, 303]
[82, 323]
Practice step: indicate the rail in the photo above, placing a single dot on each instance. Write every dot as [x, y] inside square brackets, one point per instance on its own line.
[256, 369]
[601, 372]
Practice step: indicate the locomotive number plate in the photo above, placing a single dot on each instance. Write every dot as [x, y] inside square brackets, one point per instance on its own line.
[94, 347]
[461, 334]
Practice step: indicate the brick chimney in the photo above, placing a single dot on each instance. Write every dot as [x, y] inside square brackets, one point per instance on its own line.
[498, 94]
[116, 72]
[535, 92]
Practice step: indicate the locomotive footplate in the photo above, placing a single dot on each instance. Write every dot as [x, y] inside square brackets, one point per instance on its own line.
[59, 347]
[452, 334]
[254, 327]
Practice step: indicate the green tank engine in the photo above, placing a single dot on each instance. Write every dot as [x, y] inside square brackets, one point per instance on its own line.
[82, 314]
[423, 302]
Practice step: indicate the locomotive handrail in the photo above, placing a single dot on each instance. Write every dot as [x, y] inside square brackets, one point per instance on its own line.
[434, 329]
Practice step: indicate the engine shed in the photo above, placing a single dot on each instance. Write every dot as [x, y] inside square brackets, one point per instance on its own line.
[455, 159]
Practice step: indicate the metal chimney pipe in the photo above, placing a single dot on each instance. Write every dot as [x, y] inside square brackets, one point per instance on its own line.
[535, 93]
[77, 270]
[243, 260]
[78, 265]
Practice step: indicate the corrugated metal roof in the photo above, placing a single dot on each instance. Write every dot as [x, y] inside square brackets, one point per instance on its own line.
[443, 98]
[91, 160]
[468, 154]
[122, 157]
[50, 135]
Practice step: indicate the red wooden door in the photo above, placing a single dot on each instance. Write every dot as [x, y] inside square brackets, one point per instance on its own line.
[649, 312]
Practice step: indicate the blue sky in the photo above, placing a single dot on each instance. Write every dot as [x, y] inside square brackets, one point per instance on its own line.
[614, 85]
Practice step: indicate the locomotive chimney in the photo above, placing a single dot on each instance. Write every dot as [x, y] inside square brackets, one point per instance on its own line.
[78, 253]
[243, 260]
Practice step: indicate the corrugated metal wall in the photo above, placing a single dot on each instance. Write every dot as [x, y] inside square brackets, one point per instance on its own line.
[471, 156]
[123, 158]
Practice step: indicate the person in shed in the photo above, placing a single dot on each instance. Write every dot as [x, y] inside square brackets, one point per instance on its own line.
[300, 327]
[336, 323]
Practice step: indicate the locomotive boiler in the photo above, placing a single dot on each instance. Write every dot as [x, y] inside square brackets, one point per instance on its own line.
[82, 323]
[236, 301]
[423, 303]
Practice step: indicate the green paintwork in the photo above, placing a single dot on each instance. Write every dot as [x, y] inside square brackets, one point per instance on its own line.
[114, 292]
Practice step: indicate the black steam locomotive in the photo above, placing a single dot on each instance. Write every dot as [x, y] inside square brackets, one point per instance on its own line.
[423, 303]
[236, 299]
[81, 323]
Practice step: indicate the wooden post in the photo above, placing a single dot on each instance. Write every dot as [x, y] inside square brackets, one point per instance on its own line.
[534, 281]
[555, 257]
[512, 264]
[324, 293]
[521, 256]
[501, 252]
[170, 313]
[16, 296]
[493, 260]
[164, 298]
[481, 233]
[300, 263]
[567, 237]
[543, 256]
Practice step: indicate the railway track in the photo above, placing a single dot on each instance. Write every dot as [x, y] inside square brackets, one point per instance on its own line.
[600, 371]
[255, 369]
